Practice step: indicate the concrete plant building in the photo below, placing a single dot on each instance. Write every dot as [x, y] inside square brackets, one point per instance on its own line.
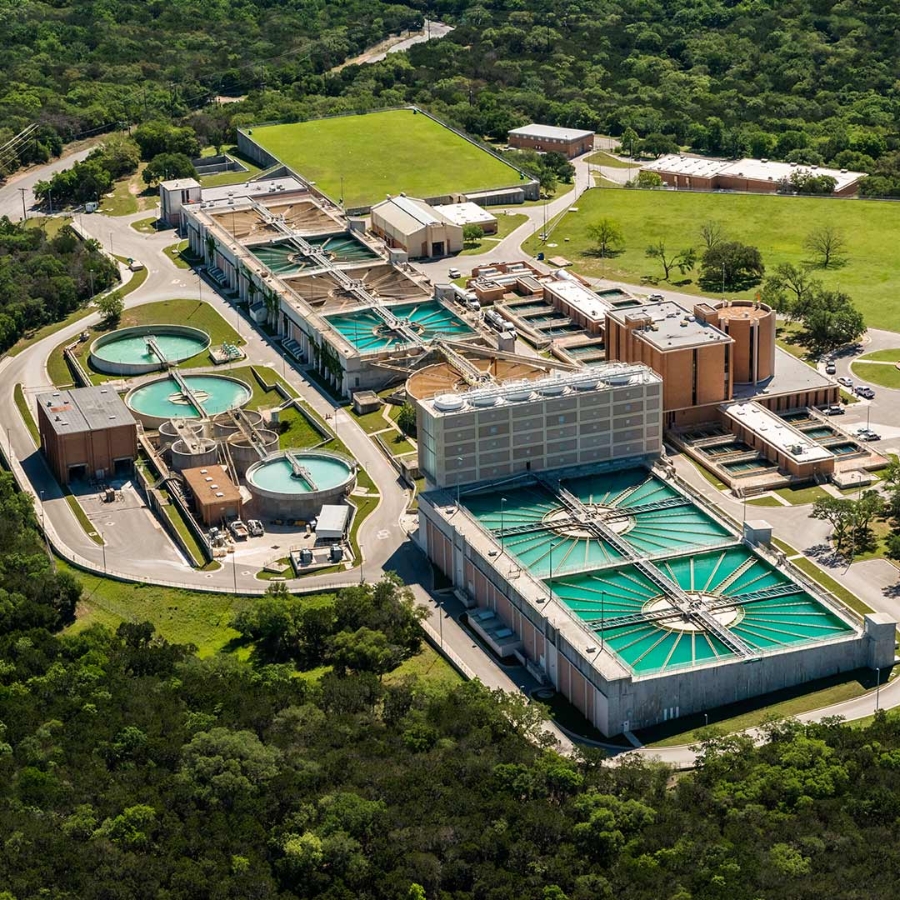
[86, 433]
[566, 418]
[423, 231]
[175, 194]
[216, 498]
[638, 601]
[755, 176]
[571, 142]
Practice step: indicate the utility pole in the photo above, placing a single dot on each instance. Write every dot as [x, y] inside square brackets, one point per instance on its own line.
[24, 210]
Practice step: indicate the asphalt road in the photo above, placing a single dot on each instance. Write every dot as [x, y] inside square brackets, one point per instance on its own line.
[383, 536]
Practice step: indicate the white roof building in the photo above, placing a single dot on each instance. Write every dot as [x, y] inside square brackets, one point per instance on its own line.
[463, 214]
[552, 132]
[756, 174]
[416, 227]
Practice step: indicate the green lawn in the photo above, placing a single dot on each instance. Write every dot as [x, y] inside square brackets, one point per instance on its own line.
[372, 422]
[136, 280]
[299, 432]
[195, 313]
[177, 254]
[785, 548]
[398, 445]
[146, 226]
[800, 496]
[261, 397]
[883, 356]
[383, 153]
[836, 588]
[25, 413]
[506, 225]
[83, 520]
[764, 501]
[877, 373]
[602, 158]
[777, 225]
[436, 674]
[754, 712]
[184, 617]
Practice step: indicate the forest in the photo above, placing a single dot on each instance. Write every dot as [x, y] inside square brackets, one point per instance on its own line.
[43, 278]
[132, 769]
[806, 80]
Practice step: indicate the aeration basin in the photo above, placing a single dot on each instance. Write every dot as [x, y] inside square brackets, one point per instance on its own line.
[161, 399]
[294, 484]
[136, 351]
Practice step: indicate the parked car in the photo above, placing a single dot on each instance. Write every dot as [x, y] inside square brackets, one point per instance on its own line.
[846, 382]
[656, 298]
[454, 273]
[867, 434]
[238, 530]
[833, 410]
[830, 369]
[255, 527]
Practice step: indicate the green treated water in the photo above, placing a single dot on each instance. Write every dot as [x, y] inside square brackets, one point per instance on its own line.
[369, 332]
[163, 398]
[507, 513]
[133, 349]
[278, 474]
[734, 574]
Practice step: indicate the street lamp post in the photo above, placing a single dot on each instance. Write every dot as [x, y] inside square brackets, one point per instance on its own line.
[705, 719]
[103, 546]
[877, 689]
[111, 253]
[234, 569]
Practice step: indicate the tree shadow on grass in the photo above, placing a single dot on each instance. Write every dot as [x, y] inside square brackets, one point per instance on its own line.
[594, 253]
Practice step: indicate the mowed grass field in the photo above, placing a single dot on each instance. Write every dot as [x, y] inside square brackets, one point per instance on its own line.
[383, 153]
[777, 225]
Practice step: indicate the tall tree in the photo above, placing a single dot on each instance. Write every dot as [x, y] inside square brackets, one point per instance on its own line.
[684, 260]
[827, 245]
[606, 235]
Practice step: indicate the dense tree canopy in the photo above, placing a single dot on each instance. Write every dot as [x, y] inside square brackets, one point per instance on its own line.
[803, 80]
[43, 279]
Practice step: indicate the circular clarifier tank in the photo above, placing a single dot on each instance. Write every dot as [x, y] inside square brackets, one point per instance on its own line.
[163, 398]
[294, 484]
[136, 351]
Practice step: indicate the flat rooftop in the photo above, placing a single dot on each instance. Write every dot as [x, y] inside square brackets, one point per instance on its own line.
[211, 484]
[754, 169]
[791, 376]
[552, 131]
[85, 409]
[465, 213]
[580, 297]
[598, 378]
[269, 189]
[672, 327]
[772, 429]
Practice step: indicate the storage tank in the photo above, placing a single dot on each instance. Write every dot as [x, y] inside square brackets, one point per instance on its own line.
[751, 325]
[191, 452]
[175, 429]
[244, 452]
[223, 425]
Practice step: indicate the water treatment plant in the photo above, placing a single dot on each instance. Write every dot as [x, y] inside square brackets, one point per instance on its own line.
[579, 551]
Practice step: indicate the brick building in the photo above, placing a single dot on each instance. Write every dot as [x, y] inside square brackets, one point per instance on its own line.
[86, 433]
[570, 142]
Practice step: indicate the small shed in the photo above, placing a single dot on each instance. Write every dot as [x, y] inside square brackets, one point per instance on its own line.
[331, 523]
[366, 402]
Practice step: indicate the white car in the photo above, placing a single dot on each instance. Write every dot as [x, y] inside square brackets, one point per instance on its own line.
[845, 381]
[455, 273]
